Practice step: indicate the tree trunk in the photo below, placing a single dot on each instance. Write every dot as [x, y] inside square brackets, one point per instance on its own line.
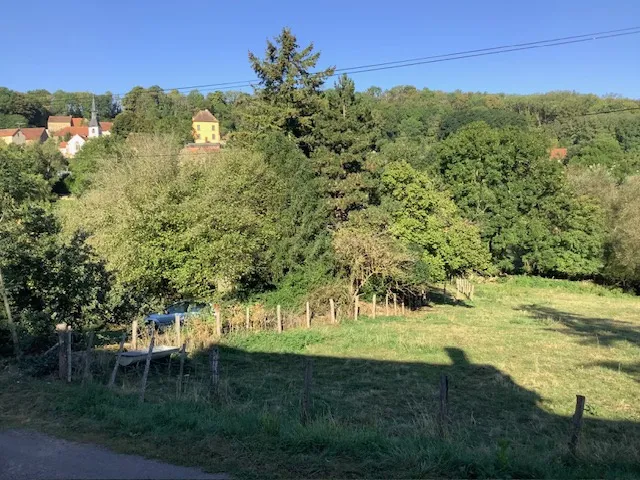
[12, 326]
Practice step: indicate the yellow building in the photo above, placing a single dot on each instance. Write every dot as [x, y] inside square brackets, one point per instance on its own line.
[55, 123]
[206, 128]
[12, 136]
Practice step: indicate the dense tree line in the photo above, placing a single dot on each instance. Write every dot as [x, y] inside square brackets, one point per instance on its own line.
[322, 186]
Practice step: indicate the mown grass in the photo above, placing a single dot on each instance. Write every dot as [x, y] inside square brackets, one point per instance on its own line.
[516, 357]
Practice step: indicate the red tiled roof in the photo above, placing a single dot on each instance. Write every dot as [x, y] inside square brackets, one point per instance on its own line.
[558, 153]
[62, 145]
[33, 133]
[77, 121]
[82, 131]
[204, 116]
[106, 126]
[60, 119]
[8, 132]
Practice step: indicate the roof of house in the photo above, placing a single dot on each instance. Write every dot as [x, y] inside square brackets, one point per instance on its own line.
[62, 145]
[204, 116]
[106, 126]
[8, 132]
[33, 133]
[558, 153]
[60, 119]
[82, 131]
[77, 121]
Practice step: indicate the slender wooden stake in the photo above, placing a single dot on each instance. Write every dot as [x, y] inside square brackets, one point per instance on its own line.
[114, 372]
[308, 315]
[395, 304]
[306, 391]
[86, 374]
[444, 405]
[279, 318]
[145, 375]
[355, 308]
[402, 305]
[69, 359]
[247, 320]
[332, 310]
[183, 352]
[576, 424]
[215, 369]
[386, 305]
[12, 326]
[134, 335]
[62, 352]
[218, 321]
[178, 328]
[373, 313]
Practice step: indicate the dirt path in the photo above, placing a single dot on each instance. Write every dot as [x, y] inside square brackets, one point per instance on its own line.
[34, 456]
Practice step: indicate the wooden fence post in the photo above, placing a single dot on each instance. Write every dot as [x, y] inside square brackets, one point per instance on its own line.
[112, 380]
[395, 304]
[355, 308]
[373, 313]
[279, 318]
[576, 424]
[62, 352]
[402, 305]
[308, 315]
[86, 373]
[444, 405]
[247, 319]
[386, 305]
[178, 328]
[134, 335]
[332, 310]
[183, 352]
[12, 326]
[69, 356]
[218, 314]
[147, 365]
[215, 369]
[306, 391]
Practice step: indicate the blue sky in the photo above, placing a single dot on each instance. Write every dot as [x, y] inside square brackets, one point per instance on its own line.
[115, 45]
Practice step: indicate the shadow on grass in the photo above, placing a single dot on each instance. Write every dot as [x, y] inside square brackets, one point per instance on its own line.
[630, 369]
[441, 296]
[592, 330]
[369, 418]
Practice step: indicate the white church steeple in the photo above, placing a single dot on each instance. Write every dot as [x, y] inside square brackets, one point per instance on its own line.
[94, 125]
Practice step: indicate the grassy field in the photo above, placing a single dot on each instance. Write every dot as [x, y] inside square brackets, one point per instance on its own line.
[516, 357]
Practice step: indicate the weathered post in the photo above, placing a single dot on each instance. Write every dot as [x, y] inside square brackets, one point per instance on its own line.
[373, 313]
[69, 359]
[114, 372]
[218, 314]
[386, 305]
[332, 310]
[134, 335]
[402, 305]
[279, 318]
[576, 424]
[247, 319]
[62, 351]
[395, 304]
[178, 328]
[183, 352]
[306, 391]
[86, 373]
[308, 315]
[12, 326]
[443, 414]
[147, 365]
[355, 308]
[215, 369]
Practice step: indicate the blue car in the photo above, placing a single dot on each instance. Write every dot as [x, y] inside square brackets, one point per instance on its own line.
[182, 310]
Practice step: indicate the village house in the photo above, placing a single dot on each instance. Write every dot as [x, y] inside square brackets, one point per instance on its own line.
[206, 132]
[22, 136]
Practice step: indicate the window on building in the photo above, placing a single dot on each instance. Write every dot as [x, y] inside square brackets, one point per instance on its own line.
[198, 127]
[213, 127]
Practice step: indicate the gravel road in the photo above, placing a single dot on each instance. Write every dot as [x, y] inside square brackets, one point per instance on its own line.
[27, 455]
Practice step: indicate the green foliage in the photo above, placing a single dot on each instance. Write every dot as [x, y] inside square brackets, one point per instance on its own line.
[503, 180]
[86, 163]
[426, 218]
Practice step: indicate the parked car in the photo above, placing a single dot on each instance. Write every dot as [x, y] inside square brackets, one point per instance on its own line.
[182, 310]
